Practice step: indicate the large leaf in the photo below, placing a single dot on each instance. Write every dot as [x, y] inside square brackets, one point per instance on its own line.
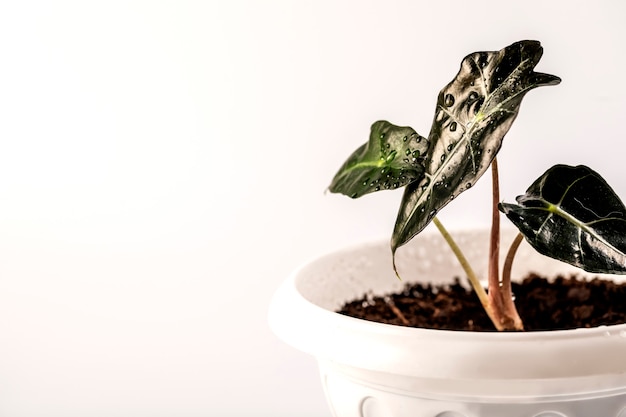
[473, 114]
[392, 158]
[572, 214]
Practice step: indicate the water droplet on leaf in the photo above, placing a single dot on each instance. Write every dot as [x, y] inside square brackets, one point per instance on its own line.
[448, 101]
[452, 126]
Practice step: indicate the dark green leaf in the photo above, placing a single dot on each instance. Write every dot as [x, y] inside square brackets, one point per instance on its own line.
[392, 158]
[473, 114]
[572, 214]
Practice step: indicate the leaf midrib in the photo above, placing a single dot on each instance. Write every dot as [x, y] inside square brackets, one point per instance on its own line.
[556, 209]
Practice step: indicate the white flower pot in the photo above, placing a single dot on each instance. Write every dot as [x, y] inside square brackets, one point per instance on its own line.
[378, 370]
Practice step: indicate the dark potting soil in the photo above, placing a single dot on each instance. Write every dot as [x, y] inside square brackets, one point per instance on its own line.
[565, 303]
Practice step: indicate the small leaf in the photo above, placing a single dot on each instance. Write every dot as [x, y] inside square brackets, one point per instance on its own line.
[391, 159]
[473, 114]
[572, 214]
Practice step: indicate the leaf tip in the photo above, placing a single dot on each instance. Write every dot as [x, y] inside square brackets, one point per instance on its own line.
[542, 79]
[393, 263]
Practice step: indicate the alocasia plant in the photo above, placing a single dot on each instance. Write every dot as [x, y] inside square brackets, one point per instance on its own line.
[570, 213]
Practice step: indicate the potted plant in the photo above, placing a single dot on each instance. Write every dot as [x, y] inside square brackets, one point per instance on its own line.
[569, 216]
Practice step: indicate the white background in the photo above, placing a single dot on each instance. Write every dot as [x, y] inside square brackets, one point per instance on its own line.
[163, 167]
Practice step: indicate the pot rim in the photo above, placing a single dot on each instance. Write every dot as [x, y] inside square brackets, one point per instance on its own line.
[291, 281]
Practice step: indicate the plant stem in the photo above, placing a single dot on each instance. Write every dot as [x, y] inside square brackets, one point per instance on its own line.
[471, 275]
[507, 292]
[500, 294]
[498, 301]
[495, 295]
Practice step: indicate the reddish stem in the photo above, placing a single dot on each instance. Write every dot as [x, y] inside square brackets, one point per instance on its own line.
[500, 296]
[507, 293]
[495, 295]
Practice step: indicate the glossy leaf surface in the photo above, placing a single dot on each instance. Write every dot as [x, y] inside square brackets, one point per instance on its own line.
[392, 158]
[474, 112]
[572, 214]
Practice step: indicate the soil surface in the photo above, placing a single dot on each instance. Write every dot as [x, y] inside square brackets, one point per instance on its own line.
[565, 303]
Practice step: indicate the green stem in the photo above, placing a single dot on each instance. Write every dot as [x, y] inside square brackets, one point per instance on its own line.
[471, 275]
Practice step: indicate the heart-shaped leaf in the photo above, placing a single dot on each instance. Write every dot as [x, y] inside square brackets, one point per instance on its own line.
[392, 158]
[473, 114]
[572, 214]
